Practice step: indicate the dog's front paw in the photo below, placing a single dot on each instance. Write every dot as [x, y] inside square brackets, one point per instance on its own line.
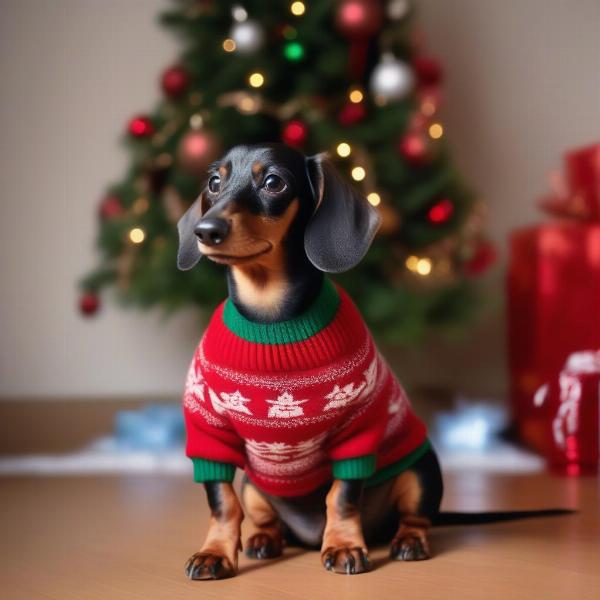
[207, 565]
[264, 545]
[345, 559]
[408, 548]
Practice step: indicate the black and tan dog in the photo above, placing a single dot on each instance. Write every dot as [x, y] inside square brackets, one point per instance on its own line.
[278, 220]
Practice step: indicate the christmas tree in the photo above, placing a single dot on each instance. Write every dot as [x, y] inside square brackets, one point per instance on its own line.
[349, 78]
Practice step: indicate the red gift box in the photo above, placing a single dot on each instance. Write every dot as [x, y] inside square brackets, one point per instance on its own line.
[553, 311]
[570, 405]
[554, 291]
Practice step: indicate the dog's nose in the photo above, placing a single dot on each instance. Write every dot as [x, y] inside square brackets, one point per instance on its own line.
[212, 231]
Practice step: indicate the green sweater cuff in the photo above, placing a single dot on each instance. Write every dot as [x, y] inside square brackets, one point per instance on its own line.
[360, 467]
[211, 470]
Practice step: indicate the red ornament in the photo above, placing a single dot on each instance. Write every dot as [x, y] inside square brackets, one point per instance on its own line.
[197, 149]
[352, 114]
[175, 81]
[440, 212]
[111, 207]
[140, 127]
[428, 71]
[89, 303]
[413, 148]
[484, 256]
[359, 18]
[294, 133]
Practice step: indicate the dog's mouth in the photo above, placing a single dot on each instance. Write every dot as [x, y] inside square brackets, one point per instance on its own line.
[234, 259]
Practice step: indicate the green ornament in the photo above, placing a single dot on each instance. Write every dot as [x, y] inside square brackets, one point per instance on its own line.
[294, 51]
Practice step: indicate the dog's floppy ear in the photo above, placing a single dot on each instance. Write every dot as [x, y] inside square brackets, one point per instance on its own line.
[189, 254]
[343, 225]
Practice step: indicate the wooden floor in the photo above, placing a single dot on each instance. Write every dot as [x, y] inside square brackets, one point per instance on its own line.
[107, 538]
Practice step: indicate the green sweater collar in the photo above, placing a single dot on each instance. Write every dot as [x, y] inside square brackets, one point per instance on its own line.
[311, 321]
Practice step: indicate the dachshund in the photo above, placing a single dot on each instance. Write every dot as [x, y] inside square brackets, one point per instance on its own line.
[278, 221]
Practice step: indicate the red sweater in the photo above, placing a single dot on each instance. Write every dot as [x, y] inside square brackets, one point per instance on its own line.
[297, 402]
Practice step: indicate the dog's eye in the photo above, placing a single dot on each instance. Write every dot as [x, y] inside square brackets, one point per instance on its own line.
[214, 184]
[274, 184]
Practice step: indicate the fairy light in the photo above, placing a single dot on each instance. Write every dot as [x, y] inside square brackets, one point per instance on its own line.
[436, 131]
[374, 199]
[358, 173]
[248, 105]
[411, 262]
[196, 121]
[356, 96]
[428, 108]
[137, 235]
[239, 13]
[229, 45]
[424, 266]
[256, 80]
[419, 265]
[343, 149]
[294, 51]
[297, 8]
[141, 205]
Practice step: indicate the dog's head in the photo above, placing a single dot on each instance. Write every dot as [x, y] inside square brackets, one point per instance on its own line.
[257, 198]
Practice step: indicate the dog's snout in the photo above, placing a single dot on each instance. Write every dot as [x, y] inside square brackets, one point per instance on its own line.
[212, 231]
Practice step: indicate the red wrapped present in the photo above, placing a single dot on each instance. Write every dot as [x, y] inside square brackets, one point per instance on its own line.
[579, 196]
[553, 297]
[569, 405]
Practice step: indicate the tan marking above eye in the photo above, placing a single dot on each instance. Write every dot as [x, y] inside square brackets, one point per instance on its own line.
[223, 172]
[257, 168]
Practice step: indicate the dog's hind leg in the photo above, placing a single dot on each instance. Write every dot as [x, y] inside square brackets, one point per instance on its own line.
[417, 494]
[267, 540]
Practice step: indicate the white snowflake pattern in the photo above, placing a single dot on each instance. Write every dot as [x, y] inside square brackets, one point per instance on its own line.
[223, 402]
[285, 407]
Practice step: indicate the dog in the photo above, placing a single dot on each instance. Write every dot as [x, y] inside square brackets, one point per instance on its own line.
[366, 472]
[278, 221]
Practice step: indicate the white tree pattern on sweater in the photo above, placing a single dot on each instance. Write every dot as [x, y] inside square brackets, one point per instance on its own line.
[285, 407]
[282, 451]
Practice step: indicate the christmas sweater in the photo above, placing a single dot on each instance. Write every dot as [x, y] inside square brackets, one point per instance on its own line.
[297, 402]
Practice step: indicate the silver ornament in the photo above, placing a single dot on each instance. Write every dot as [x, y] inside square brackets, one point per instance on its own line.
[247, 35]
[397, 9]
[391, 79]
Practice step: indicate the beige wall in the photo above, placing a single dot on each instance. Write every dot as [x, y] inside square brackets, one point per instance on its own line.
[523, 83]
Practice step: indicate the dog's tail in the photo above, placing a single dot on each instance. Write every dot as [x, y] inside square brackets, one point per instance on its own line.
[481, 518]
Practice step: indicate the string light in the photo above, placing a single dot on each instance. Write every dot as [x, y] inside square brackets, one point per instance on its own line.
[256, 80]
[293, 51]
[297, 8]
[374, 199]
[411, 262]
[428, 108]
[229, 45]
[137, 235]
[422, 266]
[343, 149]
[141, 205]
[239, 13]
[436, 131]
[248, 105]
[196, 121]
[356, 96]
[358, 173]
